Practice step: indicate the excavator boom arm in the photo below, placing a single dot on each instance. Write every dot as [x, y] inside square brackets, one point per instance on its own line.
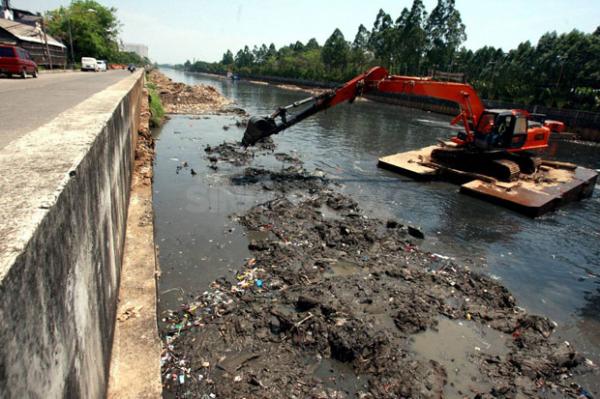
[376, 79]
[460, 93]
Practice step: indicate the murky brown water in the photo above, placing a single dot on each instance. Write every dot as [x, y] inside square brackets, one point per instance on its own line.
[551, 264]
[454, 345]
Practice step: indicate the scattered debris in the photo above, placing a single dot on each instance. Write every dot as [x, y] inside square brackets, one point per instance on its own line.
[235, 154]
[229, 152]
[331, 303]
[268, 339]
[283, 157]
[129, 312]
[288, 179]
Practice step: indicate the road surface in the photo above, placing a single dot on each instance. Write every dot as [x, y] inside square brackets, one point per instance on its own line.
[30, 103]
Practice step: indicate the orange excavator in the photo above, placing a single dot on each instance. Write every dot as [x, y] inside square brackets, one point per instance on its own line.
[494, 142]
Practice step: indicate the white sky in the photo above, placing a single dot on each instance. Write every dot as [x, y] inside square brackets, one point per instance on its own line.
[177, 30]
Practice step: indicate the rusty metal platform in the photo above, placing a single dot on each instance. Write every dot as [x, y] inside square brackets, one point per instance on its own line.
[554, 185]
[411, 163]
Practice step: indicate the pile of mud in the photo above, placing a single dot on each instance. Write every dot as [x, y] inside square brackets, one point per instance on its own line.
[180, 98]
[334, 304]
[289, 179]
[235, 154]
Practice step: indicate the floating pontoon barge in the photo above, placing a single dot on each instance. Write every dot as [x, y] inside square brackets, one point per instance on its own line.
[553, 185]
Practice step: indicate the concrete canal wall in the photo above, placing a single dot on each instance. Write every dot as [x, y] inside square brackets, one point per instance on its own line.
[64, 191]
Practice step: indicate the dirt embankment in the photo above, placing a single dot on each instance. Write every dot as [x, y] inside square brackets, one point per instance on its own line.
[334, 304]
[144, 150]
[315, 91]
[180, 98]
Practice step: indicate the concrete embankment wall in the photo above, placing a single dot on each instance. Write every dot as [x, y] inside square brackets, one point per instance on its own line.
[64, 190]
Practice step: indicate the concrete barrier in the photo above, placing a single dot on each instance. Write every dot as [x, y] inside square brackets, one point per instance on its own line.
[64, 191]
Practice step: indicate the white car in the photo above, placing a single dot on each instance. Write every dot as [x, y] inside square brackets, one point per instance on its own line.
[102, 65]
[89, 64]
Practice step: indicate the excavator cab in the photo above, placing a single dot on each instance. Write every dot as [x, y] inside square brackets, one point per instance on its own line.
[501, 129]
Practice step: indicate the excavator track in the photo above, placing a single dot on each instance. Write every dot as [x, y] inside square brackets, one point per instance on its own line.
[493, 164]
[505, 169]
[454, 157]
[528, 164]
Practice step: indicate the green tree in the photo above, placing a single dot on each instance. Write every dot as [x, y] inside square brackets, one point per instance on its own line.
[227, 58]
[410, 38]
[445, 32]
[298, 47]
[312, 44]
[359, 53]
[244, 58]
[335, 51]
[261, 54]
[94, 29]
[381, 40]
[361, 40]
[272, 51]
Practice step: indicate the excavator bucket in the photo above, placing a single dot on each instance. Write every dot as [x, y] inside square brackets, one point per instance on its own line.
[258, 128]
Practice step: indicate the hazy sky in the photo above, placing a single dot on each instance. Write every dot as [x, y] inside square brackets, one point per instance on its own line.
[176, 30]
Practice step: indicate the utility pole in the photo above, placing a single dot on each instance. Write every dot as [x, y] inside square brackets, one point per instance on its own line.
[70, 38]
[46, 42]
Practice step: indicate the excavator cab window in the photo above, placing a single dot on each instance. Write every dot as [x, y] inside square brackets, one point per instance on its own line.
[520, 125]
[504, 130]
[501, 130]
[486, 123]
[519, 135]
[488, 130]
[503, 124]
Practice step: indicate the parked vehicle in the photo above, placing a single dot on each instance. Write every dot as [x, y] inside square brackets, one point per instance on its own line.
[89, 64]
[102, 65]
[16, 61]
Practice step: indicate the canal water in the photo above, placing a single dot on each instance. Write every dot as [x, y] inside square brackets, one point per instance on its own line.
[551, 264]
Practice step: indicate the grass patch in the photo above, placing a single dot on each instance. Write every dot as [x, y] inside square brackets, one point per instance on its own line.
[157, 112]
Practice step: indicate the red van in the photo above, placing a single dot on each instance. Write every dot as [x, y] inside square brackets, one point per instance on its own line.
[16, 61]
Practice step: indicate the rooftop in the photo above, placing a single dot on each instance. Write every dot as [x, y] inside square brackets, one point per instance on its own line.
[27, 33]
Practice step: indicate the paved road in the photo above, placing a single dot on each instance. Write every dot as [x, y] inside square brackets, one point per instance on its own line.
[28, 104]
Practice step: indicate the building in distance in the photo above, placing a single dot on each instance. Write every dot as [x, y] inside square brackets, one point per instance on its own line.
[139, 49]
